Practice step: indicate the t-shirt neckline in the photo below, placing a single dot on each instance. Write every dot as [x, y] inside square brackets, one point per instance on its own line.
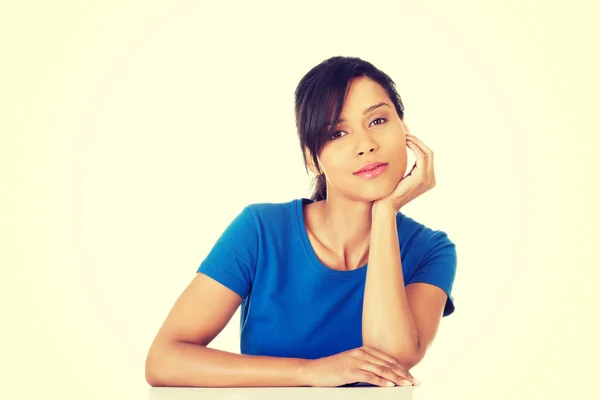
[310, 252]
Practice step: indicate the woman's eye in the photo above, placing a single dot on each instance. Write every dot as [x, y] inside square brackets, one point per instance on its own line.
[380, 119]
[335, 135]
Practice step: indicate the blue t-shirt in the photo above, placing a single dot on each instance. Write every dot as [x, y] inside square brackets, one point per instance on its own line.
[295, 306]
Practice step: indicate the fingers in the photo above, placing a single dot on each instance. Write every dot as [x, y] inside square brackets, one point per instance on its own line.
[385, 361]
[400, 370]
[423, 149]
[421, 161]
[422, 146]
[424, 158]
[384, 371]
[373, 379]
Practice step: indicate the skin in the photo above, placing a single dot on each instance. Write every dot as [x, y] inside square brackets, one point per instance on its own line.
[340, 225]
[394, 341]
[360, 211]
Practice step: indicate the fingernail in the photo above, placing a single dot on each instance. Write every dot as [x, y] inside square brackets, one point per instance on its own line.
[390, 384]
[417, 382]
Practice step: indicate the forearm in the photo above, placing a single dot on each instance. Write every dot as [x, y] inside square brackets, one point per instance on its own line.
[388, 324]
[190, 365]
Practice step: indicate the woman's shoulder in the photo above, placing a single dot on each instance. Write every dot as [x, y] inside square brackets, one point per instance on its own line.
[273, 207]
[419, 233]
[274, 213]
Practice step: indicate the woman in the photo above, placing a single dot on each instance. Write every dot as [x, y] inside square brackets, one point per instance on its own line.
[313, 314]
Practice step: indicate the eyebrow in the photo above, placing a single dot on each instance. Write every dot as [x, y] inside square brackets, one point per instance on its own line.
[367, 110]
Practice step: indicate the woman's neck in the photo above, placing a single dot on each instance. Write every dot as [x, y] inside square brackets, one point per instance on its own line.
[346, 225]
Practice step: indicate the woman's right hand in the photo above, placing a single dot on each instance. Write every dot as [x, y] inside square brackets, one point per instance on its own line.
[363, 364]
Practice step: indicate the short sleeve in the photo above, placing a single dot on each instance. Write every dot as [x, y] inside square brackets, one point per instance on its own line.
[232, 259]
[438, 267]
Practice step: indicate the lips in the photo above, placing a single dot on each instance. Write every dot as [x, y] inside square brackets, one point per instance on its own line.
[369, 166]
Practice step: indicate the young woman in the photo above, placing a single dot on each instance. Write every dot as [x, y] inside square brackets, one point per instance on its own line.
[338, 289]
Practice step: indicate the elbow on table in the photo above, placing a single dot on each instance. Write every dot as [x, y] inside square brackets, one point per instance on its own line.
[154, 369]
[407, 360]
[409, 363]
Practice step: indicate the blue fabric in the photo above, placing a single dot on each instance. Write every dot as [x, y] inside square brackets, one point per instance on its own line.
[295, 306]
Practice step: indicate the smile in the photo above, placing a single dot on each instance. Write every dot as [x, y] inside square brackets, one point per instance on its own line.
[372, 173]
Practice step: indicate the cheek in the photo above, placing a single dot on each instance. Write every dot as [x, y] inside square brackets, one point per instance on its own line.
[333, 162]
[401, 152]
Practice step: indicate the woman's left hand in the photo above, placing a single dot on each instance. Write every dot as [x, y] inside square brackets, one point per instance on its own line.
[419, 180]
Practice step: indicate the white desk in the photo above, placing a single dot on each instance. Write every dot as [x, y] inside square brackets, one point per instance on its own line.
[299, 393]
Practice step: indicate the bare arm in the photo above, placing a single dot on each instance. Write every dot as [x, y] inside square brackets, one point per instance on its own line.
[393, 330]
[399, 321]
[186, 364]
[179, 355]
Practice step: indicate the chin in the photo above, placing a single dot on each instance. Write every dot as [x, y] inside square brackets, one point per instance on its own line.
[376, 192]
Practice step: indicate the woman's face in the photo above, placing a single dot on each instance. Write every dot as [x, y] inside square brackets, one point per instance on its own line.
[363, 137]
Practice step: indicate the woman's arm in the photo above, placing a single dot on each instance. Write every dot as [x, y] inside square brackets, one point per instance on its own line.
[400, 321]
[179, 355]
[191, 365]
[388, 323]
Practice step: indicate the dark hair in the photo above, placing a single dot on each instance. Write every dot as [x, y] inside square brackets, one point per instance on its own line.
[320, 98]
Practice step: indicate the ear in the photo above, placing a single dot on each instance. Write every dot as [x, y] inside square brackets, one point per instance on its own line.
[309, 161]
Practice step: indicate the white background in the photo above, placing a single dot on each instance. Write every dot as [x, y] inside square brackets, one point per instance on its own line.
[135, 131]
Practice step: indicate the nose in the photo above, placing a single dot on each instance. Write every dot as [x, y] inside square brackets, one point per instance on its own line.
[367, 144]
